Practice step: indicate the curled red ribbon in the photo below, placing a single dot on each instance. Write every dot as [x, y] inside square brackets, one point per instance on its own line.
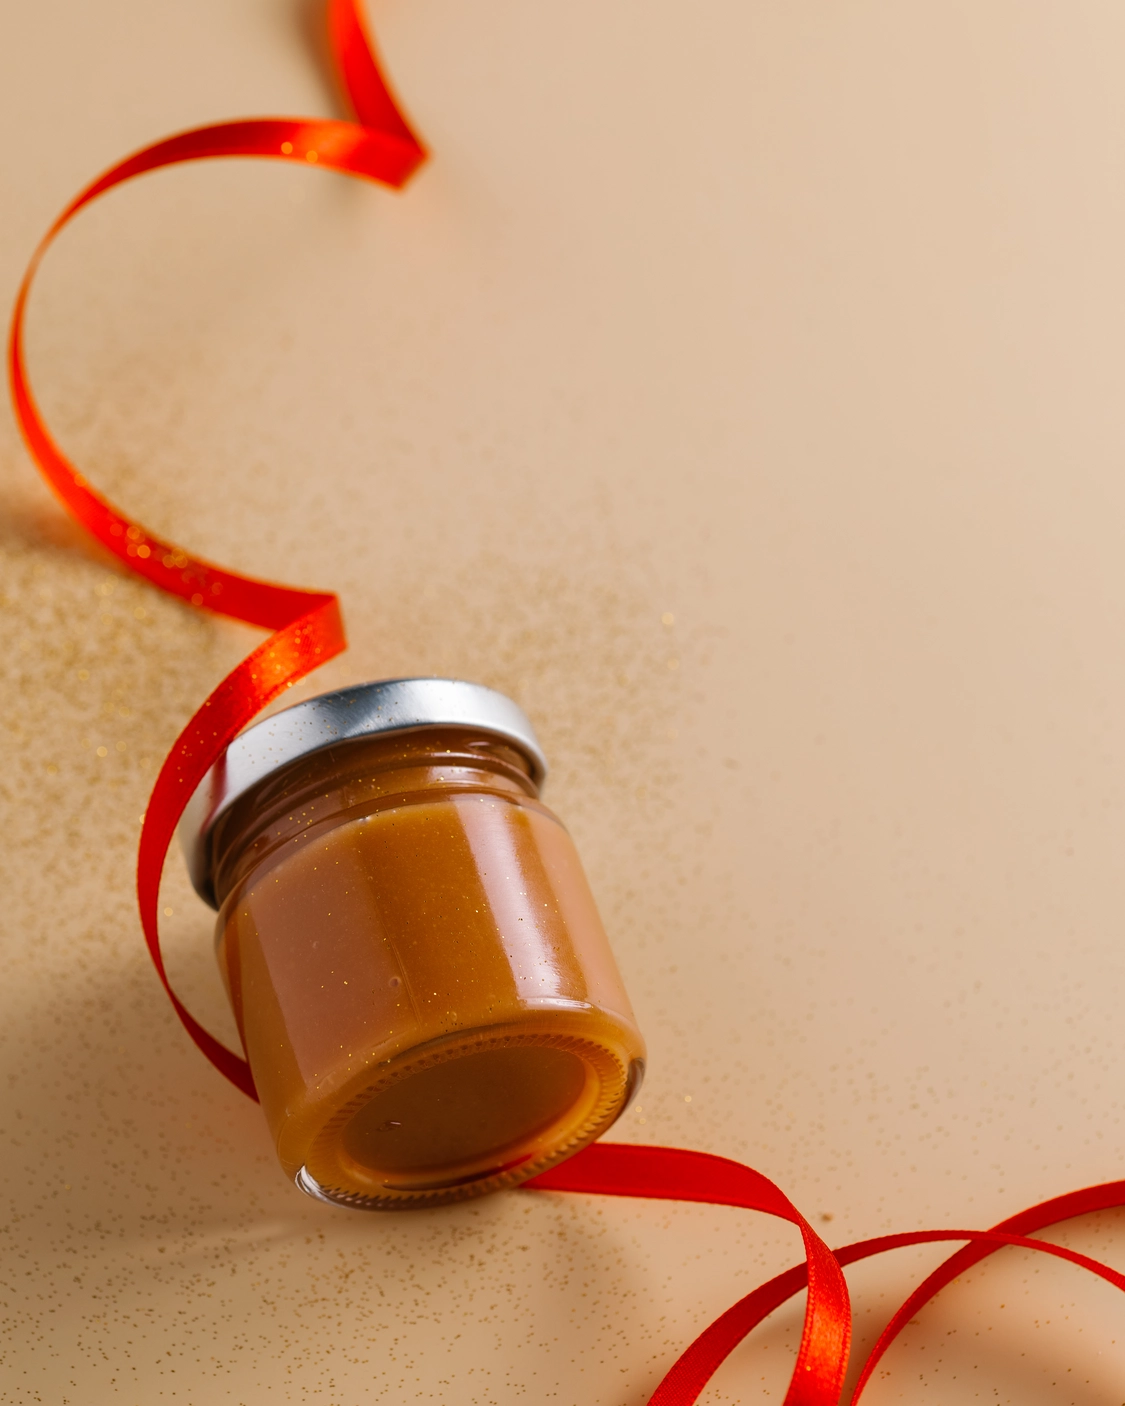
[307, 630]
[307, 626]
[674, 1174]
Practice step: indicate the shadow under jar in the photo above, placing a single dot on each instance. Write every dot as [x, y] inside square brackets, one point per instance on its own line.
[424, 989]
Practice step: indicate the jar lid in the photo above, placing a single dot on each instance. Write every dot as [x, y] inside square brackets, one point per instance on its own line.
[388, 705]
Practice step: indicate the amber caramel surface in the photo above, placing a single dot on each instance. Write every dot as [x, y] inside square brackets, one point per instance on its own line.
[445, 912]
[488, 1107]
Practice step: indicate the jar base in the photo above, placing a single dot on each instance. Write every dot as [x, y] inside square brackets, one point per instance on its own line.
[469, 1189]
[468, 1119]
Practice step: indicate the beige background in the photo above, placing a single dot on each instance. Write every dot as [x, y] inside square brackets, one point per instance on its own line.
[799, 323]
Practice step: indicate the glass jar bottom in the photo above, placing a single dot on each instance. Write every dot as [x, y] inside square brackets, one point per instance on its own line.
[465, 1119]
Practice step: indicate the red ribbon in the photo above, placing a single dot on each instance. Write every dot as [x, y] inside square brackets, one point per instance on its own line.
[307, 626]
[674, 1174]
[307, 630]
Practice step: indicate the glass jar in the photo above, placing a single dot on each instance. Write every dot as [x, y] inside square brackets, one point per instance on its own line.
[423, 986]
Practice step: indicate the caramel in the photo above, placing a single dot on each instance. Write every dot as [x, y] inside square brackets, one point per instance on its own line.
[423, 986]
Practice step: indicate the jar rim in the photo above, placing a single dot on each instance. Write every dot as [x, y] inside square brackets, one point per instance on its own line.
[344, 715]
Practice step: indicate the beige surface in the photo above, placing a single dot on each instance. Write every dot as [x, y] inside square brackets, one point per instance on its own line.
[802, 324]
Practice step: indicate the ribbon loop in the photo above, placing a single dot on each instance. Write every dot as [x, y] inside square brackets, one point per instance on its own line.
[308, 628]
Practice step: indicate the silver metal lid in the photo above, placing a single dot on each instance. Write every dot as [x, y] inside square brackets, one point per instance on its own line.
[389, 705]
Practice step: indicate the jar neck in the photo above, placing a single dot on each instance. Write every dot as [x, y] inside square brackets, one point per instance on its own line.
[361, 776]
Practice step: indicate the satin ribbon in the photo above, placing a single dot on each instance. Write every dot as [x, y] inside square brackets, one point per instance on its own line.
[307, 630]
[674, 1174]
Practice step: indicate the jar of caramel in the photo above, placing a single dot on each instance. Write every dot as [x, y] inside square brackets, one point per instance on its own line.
[423, 986]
